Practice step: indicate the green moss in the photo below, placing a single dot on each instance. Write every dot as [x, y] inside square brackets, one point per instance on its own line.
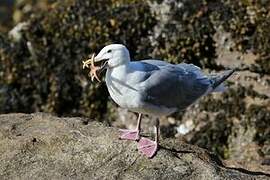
[210, 135]
[187, 36]
[259, 116]
[217, 135]
[248, 22]
[47, 76]
[6, 10]
[24, 9]
[43, 71]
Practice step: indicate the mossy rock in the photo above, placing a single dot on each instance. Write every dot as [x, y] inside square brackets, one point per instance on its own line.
[47, 67]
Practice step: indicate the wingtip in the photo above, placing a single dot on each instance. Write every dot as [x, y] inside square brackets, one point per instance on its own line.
[223, 77]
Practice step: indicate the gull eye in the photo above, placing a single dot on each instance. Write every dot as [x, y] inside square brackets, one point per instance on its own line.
[109, 51]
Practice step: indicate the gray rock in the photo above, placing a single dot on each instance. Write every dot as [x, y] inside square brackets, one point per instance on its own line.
[41, 146]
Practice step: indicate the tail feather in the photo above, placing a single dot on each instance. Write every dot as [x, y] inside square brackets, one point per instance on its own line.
[217, 81]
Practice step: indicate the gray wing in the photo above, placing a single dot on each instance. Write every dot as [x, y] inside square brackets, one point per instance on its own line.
[174, 85]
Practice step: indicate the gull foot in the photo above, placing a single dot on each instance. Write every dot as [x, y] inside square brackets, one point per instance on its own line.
[127, 134]
[147, 147]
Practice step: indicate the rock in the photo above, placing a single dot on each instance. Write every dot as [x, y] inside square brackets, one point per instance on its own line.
[6, 14]
[24, 9]
[41, 68]
[42, 146]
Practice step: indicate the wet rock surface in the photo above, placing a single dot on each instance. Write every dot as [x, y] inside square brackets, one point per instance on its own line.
[42, 146]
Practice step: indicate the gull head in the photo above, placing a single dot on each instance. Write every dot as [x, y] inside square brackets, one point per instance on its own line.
[114, 55]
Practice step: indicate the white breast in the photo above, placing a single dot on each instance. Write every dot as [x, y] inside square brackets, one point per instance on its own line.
[128, 94]
[122, 92]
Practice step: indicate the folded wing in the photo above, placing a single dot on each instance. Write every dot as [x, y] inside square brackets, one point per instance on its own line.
[174, 86]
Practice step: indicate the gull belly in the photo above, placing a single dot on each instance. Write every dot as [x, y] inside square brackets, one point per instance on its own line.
[130, 95]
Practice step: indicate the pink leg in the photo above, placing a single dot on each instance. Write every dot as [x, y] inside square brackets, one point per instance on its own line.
[148, 147]
[132, 134]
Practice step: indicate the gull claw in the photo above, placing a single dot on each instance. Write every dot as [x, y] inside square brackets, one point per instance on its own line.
[93, 68]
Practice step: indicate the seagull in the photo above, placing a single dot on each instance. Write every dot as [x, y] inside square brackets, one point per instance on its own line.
[152, 87]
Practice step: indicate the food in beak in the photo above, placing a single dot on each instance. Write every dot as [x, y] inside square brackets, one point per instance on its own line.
[93, 68]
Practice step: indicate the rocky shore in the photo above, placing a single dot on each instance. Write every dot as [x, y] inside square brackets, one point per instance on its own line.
[42, 146]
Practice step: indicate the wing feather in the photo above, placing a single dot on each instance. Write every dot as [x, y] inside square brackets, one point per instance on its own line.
[174, 86]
